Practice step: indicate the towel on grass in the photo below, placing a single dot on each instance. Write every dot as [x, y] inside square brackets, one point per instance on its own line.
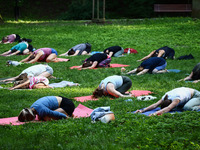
[136, 93]
[80, 111]
[111, 66]
[63, 84]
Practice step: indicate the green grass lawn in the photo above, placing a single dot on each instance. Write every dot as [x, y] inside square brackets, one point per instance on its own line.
[128, 131]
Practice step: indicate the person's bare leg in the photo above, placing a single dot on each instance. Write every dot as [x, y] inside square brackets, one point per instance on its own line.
[51, 58]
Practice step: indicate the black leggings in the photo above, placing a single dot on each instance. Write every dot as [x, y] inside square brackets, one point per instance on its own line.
[67, 105]
[127, 83]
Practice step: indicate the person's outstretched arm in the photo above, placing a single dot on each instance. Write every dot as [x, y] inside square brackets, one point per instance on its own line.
[132, 71]
[187, 78]
[152, 106]
[167, 109]
[148, 56]
[20, 85]
[38, 55]
[5, 53]
[26, 59]
[94, 64]
[15, 53]
[143, 72]
[111, 90]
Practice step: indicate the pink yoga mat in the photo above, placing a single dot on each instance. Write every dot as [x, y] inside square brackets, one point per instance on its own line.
[80, 111]
[111, 66]
[136, 93]
[62, 59]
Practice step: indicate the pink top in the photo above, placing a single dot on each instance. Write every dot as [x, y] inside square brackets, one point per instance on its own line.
[11, 38]
[46, 53]
[38, 79]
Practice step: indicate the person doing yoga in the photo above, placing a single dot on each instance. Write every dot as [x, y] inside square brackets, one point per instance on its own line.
[80, 49]
[10, 38]
[151, 65]
[182, 98]
[42, 55]
[114, 51]
[95, 61]
[48, 108]
[23, 48]
[114, 86]
[194, 75]
[164, 52]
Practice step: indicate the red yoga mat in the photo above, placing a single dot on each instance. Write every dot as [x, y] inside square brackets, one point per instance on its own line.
[136, 93]
[111, 66]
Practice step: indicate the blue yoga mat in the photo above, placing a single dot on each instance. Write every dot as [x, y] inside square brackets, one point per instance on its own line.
[147, 113]
[174, 70]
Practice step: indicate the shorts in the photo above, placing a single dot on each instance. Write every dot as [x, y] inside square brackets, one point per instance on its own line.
[49, 70]
[67, 105]
[161, 67]
[53, 51]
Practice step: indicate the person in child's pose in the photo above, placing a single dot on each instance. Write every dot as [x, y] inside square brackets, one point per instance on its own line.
[42, 55]
[21, 48]
[194, 75]
[164, 52]
[151, 65]
[35, 70]
[80, 49]
[95, 61]
[10, 38]
[179, 98]
[114, 51]
[48, 108]
[114, 86]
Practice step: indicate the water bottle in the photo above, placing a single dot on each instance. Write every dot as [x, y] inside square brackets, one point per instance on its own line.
[128, 51]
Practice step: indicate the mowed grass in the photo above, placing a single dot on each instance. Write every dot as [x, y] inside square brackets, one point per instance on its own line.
[128, 131]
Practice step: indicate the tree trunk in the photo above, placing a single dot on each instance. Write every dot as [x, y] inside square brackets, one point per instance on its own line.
[196, 8]
[1, 19]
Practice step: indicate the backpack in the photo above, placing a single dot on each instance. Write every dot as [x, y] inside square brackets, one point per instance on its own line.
[131, 50]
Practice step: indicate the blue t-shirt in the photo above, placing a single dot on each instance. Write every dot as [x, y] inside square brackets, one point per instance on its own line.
[45, 106]
[152, 63]
[115, 79]
[20, 47]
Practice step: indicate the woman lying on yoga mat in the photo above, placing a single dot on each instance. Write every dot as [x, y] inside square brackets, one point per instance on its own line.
[114, 51]
[48, 108]
[35, 70]
[114, 86]
[194, 75]
[164, 52]
[21, 48]
[95, 61]
[42, 55]
[10, 38]
[179, 98]
[80, 49]
[151, 65]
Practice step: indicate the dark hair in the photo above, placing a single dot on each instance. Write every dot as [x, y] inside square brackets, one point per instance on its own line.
[30, 47]
[98, 93]
[71, 52]
[31, 57]
[4, 39]
[139, 68]
[166, 102]
[155, 54]
[20, 82]
[22, 76]
[14, 50]
[26, 115]
[86, 64]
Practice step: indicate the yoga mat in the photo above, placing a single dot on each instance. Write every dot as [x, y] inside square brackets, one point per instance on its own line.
[90, 98]
[62, 59]
[147, 113]
[174, 70]
[80, 111]
[111, 66]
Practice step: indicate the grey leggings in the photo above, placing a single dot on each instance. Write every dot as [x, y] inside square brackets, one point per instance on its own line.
[127, 83]
[194, 102]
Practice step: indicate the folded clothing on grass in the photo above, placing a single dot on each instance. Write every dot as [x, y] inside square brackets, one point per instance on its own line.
[136, 93]
[79, 112]
[174, 70]
[111, 66]
[63, 84]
